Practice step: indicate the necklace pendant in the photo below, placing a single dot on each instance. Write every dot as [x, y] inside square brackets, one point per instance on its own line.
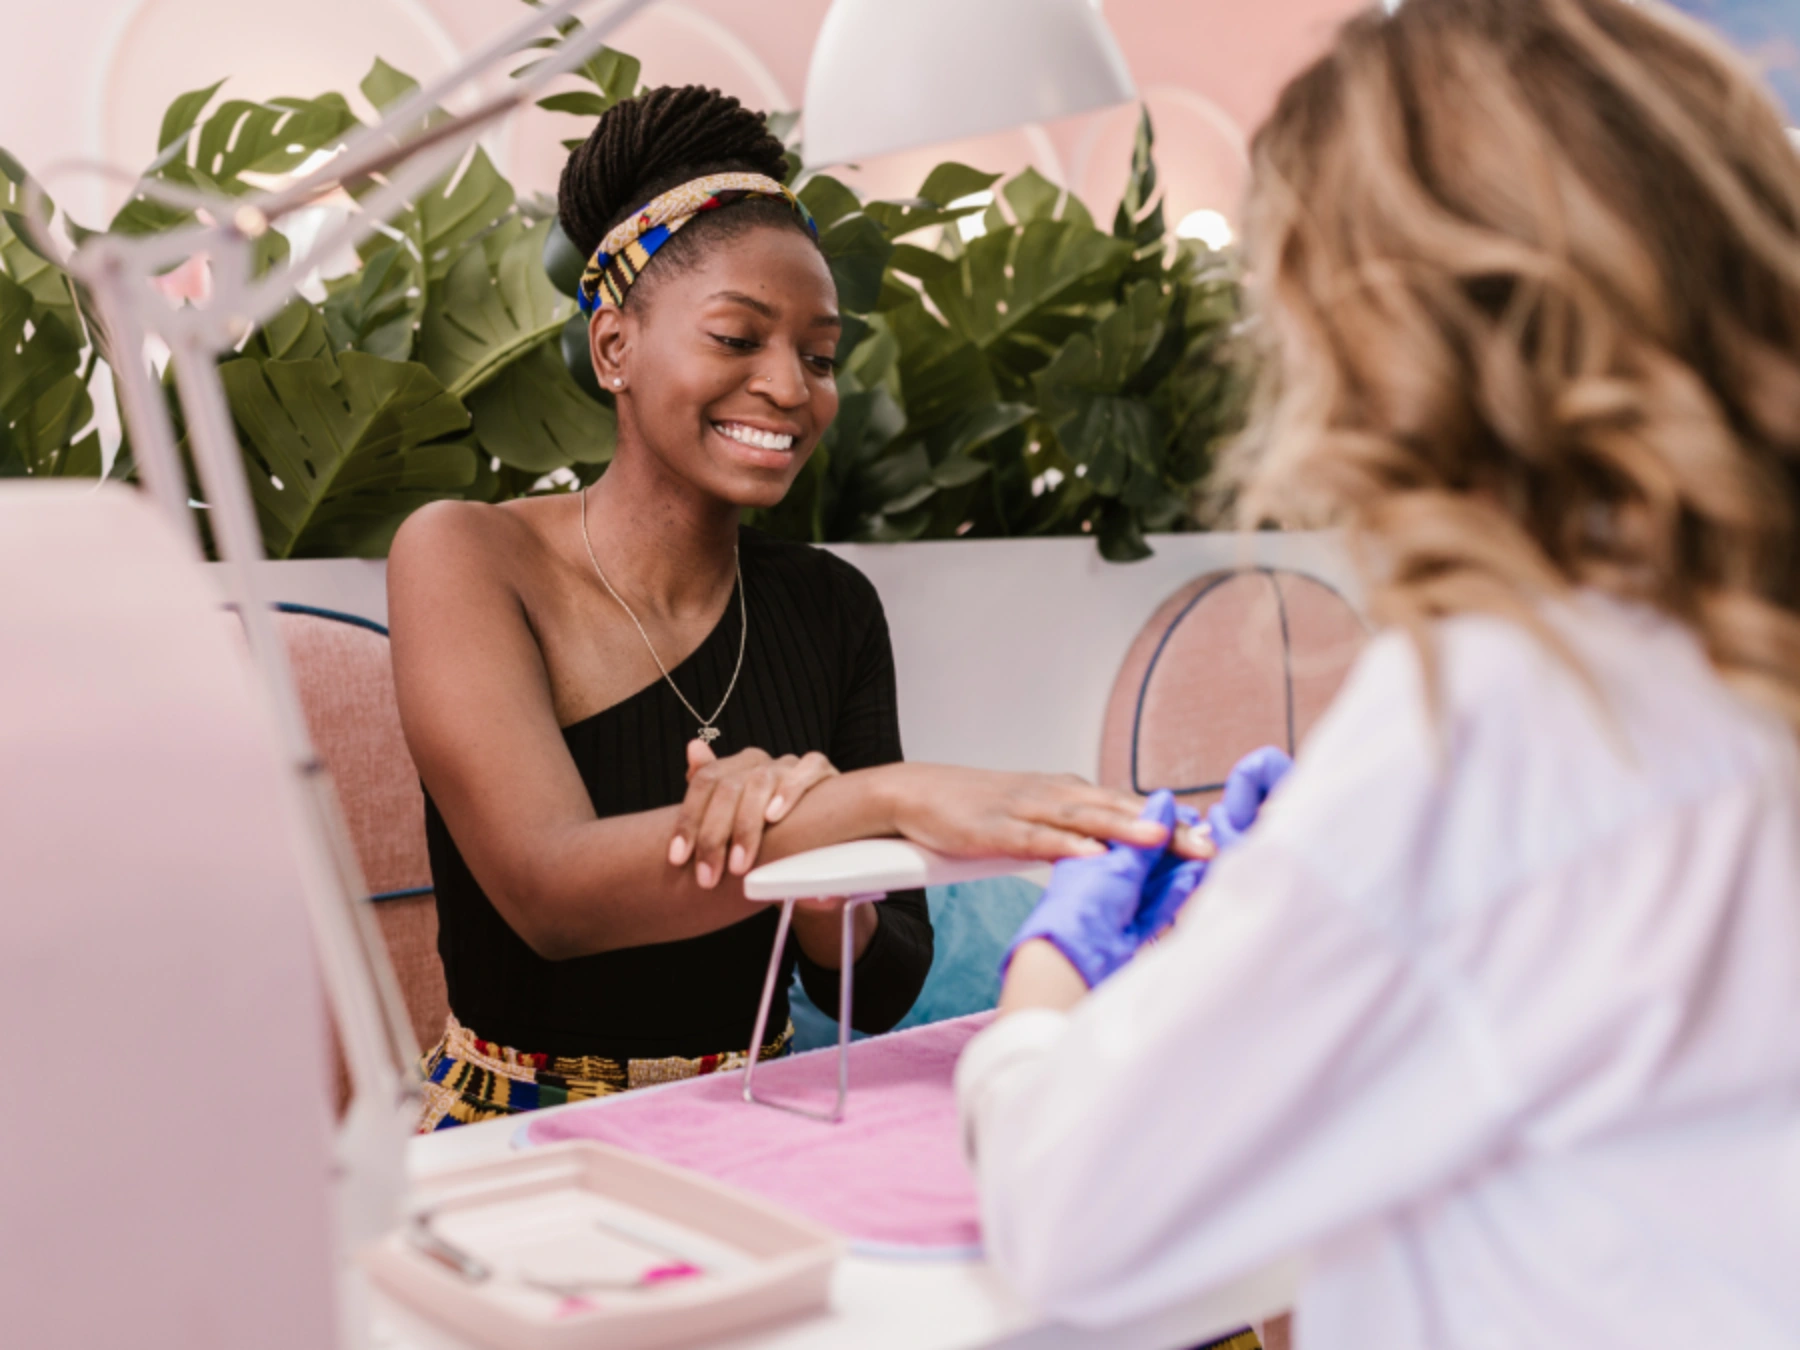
[708, 734]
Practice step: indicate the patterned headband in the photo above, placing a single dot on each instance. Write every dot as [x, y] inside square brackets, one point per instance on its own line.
[629, 245]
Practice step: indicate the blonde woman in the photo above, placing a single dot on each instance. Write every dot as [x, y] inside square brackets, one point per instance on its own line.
[1495, 1014]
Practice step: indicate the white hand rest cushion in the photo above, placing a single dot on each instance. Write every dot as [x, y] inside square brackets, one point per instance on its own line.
[871, 866]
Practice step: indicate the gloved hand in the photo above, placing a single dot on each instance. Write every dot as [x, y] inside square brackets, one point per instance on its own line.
[1090, 909]
[1171, 881]
[1251, 781]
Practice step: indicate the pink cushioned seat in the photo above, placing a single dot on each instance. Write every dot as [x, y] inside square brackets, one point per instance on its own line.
[346, 686]
[1232, 661]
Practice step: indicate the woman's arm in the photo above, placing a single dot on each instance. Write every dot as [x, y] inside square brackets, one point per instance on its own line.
[476, 705]
[1272, 1072]
[1277, 1069]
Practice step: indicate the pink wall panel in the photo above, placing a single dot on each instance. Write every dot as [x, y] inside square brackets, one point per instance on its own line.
[1209, 70]
[1237, 54]
[103, 70]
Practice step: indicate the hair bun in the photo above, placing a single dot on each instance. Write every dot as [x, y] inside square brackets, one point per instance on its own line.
[646, 145]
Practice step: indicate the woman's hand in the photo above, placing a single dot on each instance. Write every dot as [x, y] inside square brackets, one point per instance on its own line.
[974, 813]
[731, 801]
[1097, 911]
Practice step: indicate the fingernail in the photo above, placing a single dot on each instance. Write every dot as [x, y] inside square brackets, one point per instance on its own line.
[776, 806]
[678, 851]
[704, 873]
[740, 860]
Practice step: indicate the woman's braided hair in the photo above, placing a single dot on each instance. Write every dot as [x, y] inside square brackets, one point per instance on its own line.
[641, 147]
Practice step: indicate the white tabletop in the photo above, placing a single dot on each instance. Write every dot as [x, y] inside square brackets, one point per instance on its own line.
[885, 1304]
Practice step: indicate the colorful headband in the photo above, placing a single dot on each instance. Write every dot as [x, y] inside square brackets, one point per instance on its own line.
[629, 245]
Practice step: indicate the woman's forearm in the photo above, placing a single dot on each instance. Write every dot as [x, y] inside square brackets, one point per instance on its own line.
[602, 885]
[1041, 977]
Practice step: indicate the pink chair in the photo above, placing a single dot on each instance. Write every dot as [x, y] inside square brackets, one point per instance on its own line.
[1232, 661]
[346, 685]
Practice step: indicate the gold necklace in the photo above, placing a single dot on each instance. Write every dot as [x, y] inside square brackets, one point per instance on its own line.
[708, 732]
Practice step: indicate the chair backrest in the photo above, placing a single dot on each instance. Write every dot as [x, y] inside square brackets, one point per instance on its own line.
[1232, 661]
[346, 685]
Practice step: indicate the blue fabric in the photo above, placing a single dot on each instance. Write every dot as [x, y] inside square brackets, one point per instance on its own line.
[973, 923]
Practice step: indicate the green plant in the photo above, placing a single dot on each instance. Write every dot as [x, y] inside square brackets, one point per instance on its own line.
[1044, 377]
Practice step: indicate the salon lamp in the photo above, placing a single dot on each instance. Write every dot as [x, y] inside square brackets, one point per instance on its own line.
[889, 75]
[1059, 59]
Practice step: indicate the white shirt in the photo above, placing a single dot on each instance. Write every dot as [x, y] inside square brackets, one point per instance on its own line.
[1496, 1016]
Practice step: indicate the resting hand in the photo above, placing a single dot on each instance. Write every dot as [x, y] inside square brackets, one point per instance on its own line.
[731, 801]
[1089, 911]
[977, 813]
[1252, 779]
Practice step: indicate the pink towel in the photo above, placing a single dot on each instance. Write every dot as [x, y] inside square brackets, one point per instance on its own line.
[889, 1175]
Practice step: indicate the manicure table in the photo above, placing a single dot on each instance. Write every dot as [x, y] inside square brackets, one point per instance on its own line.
[877, 1302]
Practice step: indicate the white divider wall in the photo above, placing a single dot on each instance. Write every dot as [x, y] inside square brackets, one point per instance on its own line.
[1006, 648]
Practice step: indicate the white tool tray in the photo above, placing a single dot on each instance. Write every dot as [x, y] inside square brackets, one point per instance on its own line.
[579, 1245]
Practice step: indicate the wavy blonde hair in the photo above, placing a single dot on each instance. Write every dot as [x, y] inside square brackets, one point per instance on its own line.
[1528, 282]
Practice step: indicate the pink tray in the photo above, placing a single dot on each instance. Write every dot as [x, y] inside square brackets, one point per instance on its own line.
[580, 1245]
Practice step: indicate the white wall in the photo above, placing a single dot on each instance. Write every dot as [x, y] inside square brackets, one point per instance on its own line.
[1006, 649]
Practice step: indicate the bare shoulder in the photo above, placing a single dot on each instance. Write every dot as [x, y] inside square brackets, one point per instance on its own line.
[452, 534]
[453, 549]
[450, 573]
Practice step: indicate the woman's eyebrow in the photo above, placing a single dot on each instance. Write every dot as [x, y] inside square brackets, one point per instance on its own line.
[827, 320]
[747, 301]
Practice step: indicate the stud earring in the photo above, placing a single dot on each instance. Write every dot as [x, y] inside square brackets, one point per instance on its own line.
[618, 383]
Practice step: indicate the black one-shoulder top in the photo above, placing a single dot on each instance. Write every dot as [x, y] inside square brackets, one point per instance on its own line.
[818, 675]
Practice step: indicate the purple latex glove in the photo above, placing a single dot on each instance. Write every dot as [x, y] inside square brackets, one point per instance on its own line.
[1089, 911]
[1252, 779]
[1171, 881]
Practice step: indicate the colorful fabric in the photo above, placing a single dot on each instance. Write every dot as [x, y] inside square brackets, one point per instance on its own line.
[1238, 1340]
[468, 1079]
[629, 245]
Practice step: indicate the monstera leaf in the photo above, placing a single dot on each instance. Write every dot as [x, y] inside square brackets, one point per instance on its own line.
[948, 183]
[377, 308]
[1044, 376]
[941, 374]
[1019, 294]
[456, 209]
[532, 417]
[1083, 392]
[47, 284]
[44, 403]
[240, 137]
[494, 304]
[854, 243]
[341, 451]
[1090, 394]
[298, 332]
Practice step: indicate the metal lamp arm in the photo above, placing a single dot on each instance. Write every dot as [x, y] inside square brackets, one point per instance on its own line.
[117, 272]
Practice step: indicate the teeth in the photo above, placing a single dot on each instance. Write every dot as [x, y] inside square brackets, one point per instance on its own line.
[762, 440]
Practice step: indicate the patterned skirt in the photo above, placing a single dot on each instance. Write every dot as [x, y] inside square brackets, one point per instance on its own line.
[1238, 1340]
[468, 1079]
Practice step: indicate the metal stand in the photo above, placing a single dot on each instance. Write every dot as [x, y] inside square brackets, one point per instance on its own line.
[846, 1000]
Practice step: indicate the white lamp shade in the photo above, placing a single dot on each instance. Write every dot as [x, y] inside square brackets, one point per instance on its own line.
[888, 75]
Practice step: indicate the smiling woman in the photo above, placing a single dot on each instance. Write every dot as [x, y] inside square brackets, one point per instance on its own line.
[619, 701]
